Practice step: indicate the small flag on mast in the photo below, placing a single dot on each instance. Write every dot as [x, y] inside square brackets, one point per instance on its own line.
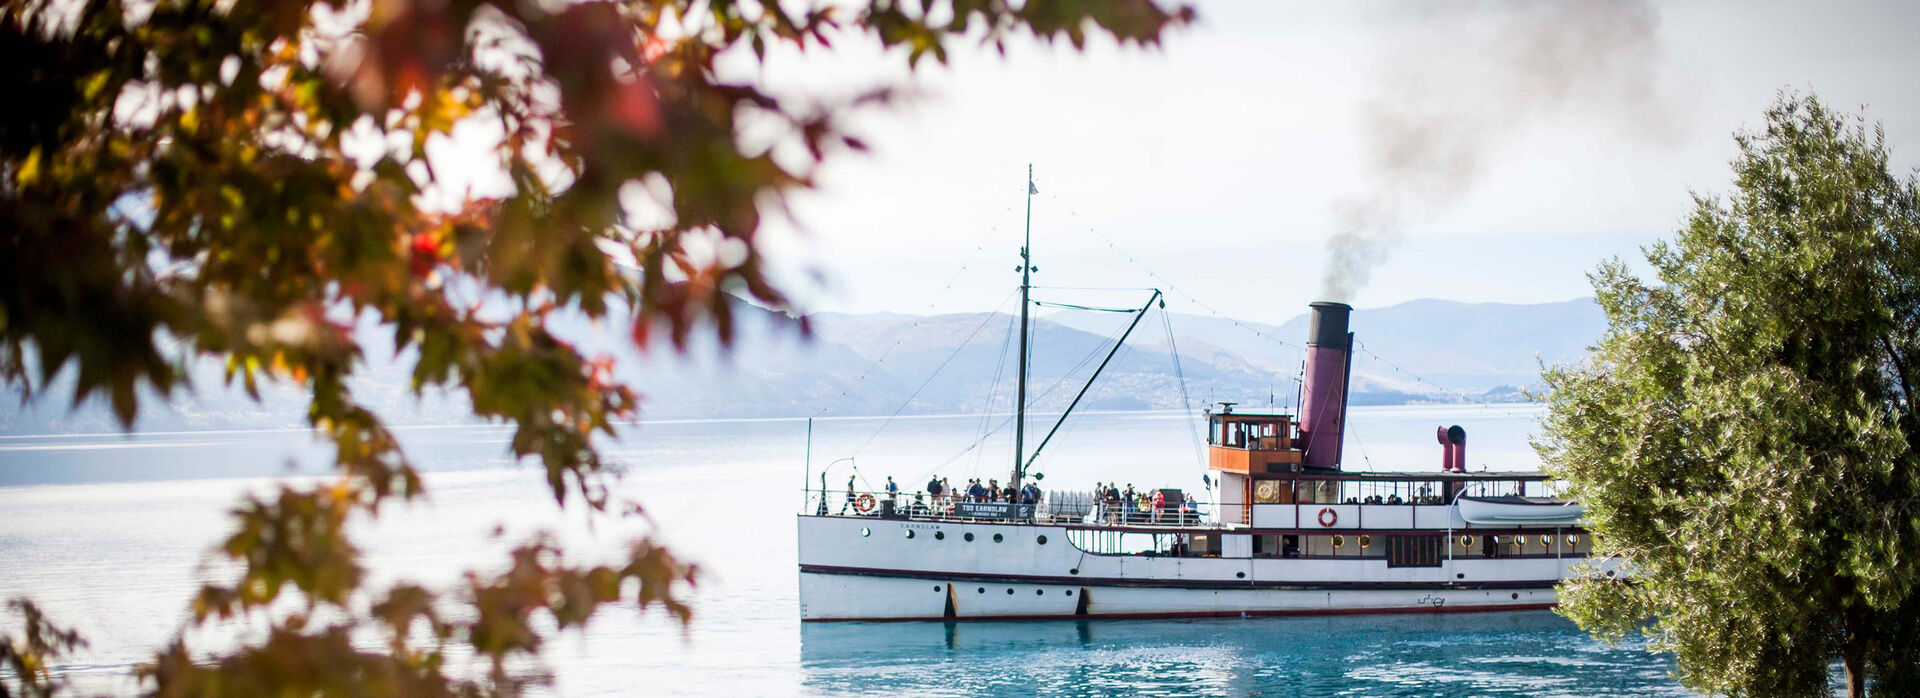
[1031, 190]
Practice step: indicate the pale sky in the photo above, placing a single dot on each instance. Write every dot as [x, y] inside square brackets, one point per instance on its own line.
[1222, 160]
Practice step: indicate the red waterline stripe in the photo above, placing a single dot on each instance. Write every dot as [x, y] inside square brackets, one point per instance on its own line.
[1203, 614]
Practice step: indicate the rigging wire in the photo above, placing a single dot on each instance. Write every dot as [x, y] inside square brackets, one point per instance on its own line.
[1298, 377]
[902, 335]
[1070, 306]
[993, 392]
[1299, 349]
[1169, 284]
[1111, 338]
[936, 373]
[1186, 401]
[1073, 420]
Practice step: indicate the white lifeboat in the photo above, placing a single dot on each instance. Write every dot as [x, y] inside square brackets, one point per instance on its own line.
[1520, 510]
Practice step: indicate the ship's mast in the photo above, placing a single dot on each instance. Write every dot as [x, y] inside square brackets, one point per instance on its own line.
[1020, 399]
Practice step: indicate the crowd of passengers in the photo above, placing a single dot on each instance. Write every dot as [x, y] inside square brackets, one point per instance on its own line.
[1129, 506]
[1114, 504]
[1426, 496]
[941, 495]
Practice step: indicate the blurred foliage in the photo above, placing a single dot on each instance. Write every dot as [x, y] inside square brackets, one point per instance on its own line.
[1746, 436]
[251, 182]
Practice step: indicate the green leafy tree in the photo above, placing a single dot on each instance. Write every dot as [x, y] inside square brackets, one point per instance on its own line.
[249, 182]
[1745, 435]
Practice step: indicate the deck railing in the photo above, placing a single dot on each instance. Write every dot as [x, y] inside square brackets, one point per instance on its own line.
[1060, 507]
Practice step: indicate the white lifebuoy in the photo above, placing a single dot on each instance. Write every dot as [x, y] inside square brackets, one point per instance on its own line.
[1328, 517]
[864, 504]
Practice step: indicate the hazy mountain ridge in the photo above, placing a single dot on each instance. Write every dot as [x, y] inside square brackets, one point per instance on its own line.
[960, 363]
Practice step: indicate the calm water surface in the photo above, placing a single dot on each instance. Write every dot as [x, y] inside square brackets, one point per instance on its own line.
[111, 534]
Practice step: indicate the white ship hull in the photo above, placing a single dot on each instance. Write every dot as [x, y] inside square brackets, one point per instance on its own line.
[864, 568]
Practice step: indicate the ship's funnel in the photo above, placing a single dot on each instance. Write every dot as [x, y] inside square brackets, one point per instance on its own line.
[1323, 392]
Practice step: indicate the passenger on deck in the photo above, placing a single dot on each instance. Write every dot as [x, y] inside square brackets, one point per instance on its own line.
[1394, 499]
[893, 490]
[975, 492]
[1131, 502]
[993, 489]
[1159, 504]
[850, 496]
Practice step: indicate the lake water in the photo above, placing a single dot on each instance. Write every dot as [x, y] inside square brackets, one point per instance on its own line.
[111, 534]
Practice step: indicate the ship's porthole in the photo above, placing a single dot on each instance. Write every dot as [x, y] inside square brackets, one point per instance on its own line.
[1069, 592]
[1520, 541]
[1009, 591]
[1516, 596]
[1241, 575]
[864, 532]
[909, 533]
[1366, 541]
[1462, 575]
[982, 590]
[1038, 592]
[1075, 570]
[939, 535]
[936, 587]
[1041, 540]
[997, 538]
[969, 537]
[1339, 542]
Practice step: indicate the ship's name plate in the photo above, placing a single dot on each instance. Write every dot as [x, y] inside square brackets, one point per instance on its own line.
[993, 510]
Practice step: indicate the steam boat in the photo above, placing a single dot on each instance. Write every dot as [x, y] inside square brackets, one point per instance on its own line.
[1286, 530]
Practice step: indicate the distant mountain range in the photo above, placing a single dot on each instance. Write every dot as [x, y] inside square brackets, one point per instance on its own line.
[867, 364]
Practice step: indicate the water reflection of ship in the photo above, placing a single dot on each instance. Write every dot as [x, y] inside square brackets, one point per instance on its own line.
[1521, 653]
[1288, 530]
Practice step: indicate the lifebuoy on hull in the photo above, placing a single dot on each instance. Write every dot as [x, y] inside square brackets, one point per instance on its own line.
[1328, 517]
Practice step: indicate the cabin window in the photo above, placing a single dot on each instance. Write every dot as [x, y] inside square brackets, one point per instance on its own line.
[1125, 543]
[1414, 551]
[1317, 491]
[1203, 545]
